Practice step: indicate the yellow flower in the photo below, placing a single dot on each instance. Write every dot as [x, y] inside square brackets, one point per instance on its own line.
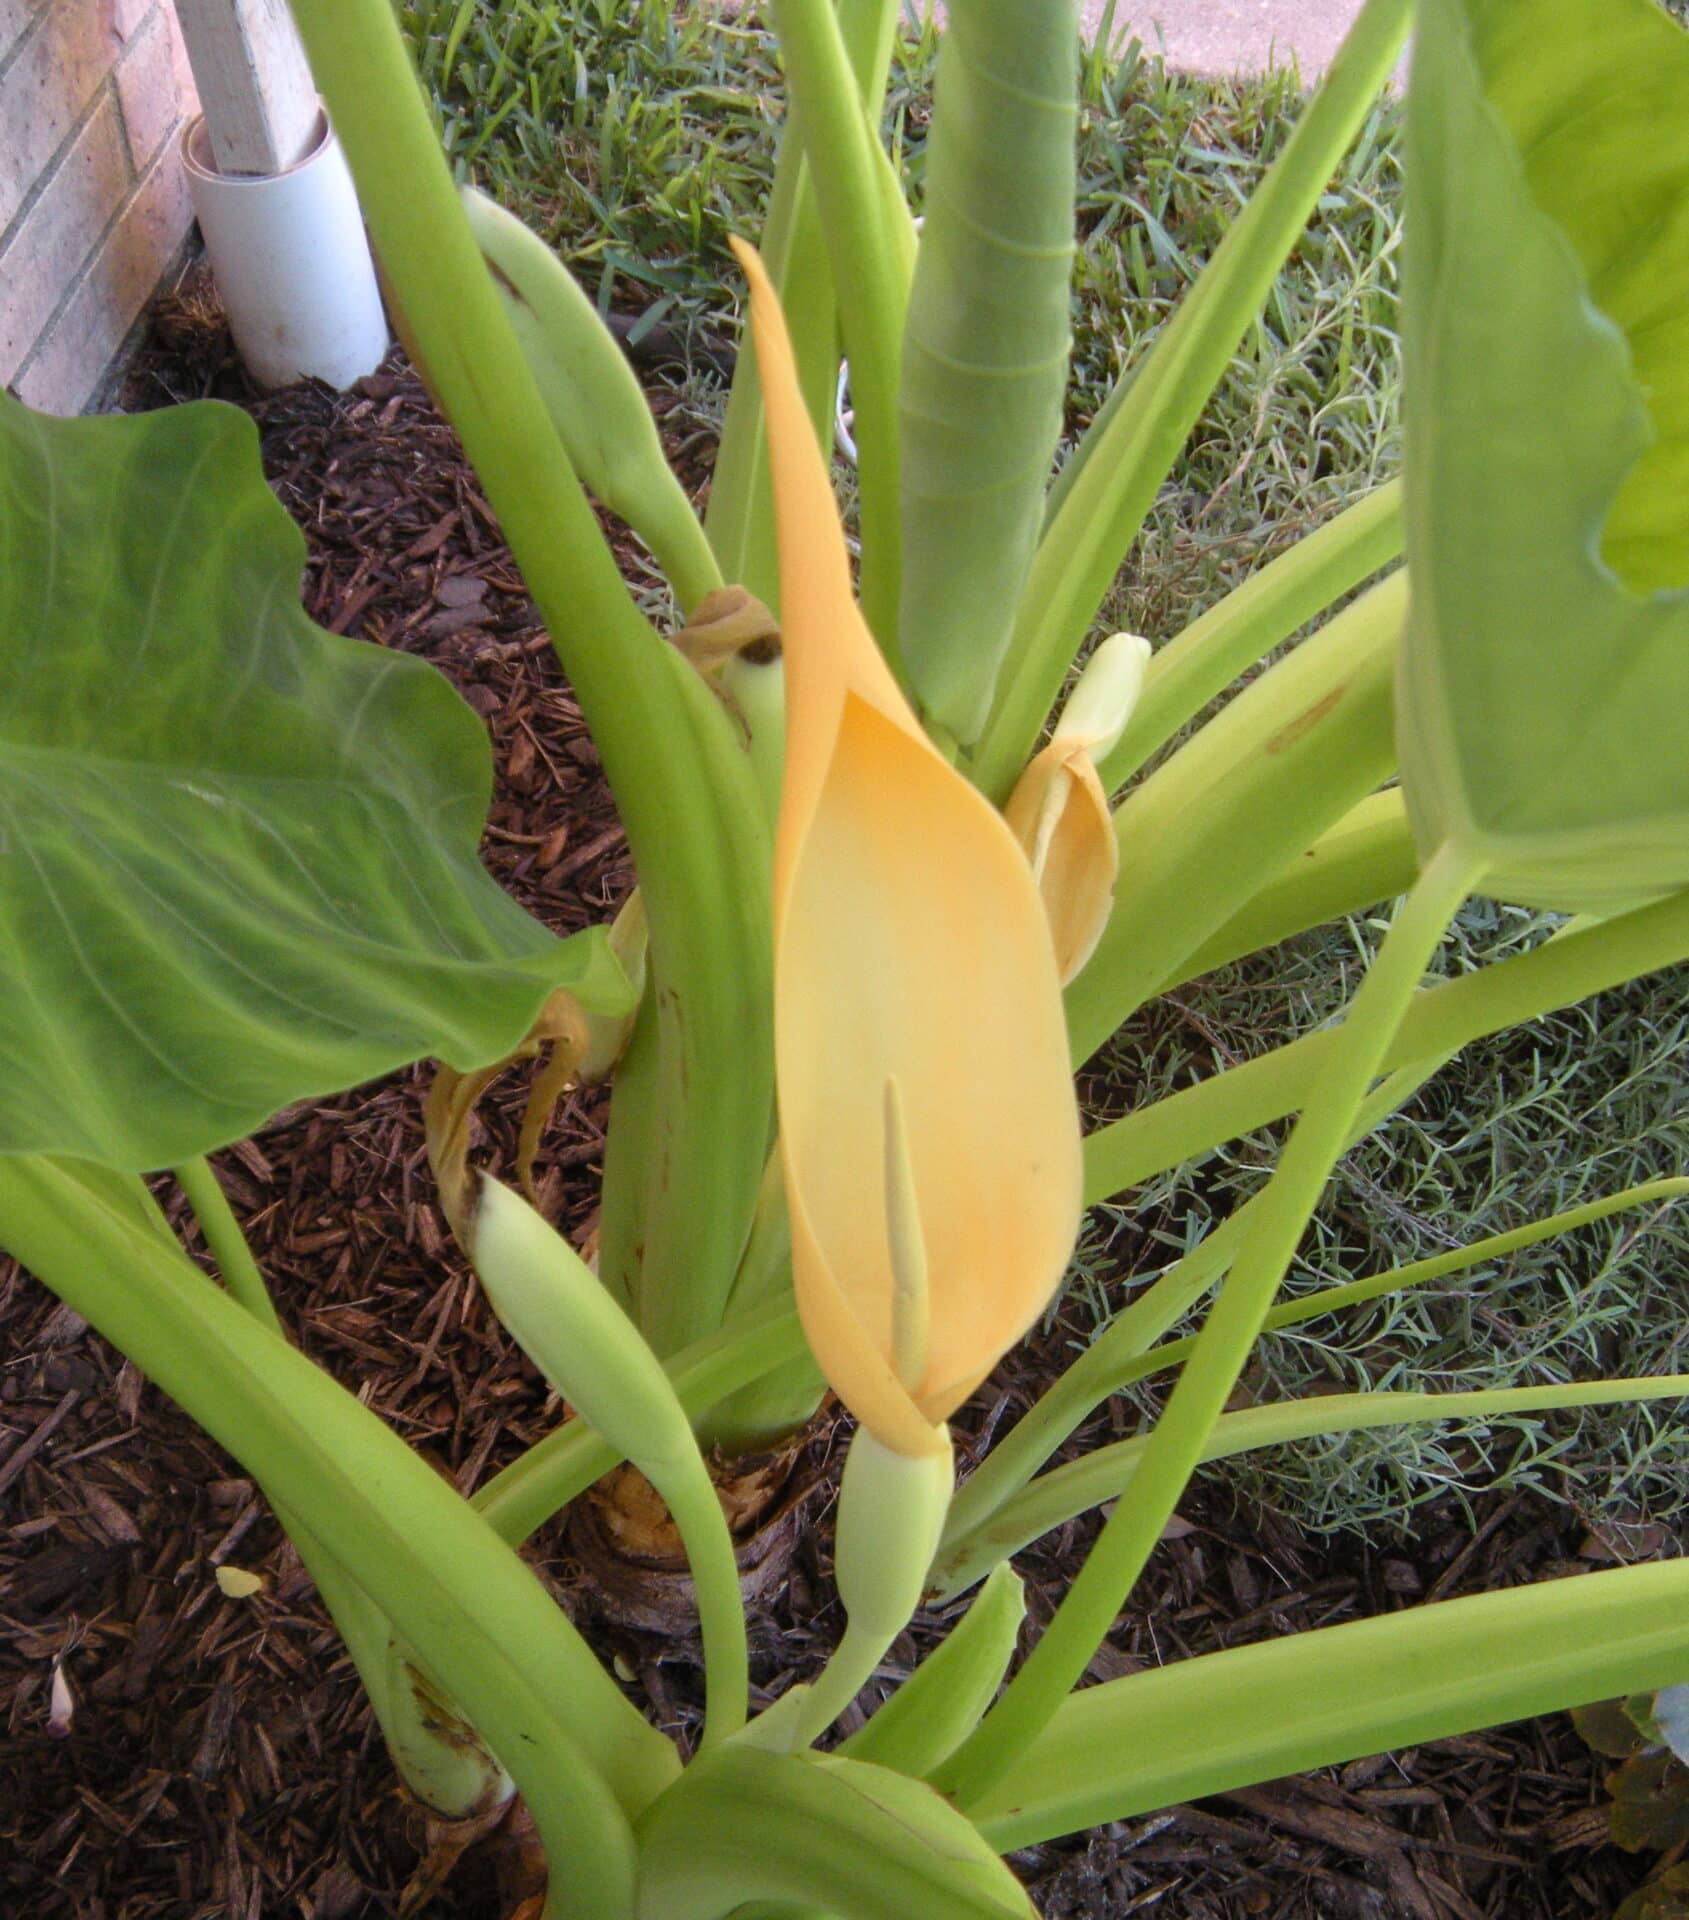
[928, 1124]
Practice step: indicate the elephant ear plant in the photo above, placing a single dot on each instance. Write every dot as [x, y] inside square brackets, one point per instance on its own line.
[877, 923]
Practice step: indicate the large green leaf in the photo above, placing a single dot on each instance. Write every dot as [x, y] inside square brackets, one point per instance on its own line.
[1546, 673]
[1595, 96]
[237, 853]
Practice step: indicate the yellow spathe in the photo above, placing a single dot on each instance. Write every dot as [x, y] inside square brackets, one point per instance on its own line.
[911, 950]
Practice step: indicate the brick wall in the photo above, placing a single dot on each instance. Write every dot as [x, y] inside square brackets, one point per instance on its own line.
[93, 204]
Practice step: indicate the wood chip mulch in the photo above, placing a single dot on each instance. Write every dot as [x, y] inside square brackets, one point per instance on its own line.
[167, 1753]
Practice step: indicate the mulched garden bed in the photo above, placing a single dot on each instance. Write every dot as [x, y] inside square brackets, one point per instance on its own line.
[218, 1763]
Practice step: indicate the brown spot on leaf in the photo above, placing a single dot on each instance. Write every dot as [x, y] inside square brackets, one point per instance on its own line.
[1304, 722]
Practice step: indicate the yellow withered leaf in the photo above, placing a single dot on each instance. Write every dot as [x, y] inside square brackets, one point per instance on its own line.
[1059, 810]
[723, 624]
[584, 1048]
[928, 1123]
[1059, 814]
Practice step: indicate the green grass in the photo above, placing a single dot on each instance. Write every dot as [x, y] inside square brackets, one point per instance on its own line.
[633, 137]
[636, 140]
[1525, 1124]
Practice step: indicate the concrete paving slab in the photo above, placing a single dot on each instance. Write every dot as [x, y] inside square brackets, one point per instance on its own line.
[1233, 36]
[1219, 37]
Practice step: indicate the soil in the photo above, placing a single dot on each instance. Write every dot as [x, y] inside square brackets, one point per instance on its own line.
[217, 1761]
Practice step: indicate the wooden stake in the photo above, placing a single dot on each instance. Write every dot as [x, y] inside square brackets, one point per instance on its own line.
[261, 108]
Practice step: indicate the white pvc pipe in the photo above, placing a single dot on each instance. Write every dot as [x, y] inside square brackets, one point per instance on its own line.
[291, 262]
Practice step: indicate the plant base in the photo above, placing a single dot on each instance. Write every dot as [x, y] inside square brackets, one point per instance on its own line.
[628, 1548]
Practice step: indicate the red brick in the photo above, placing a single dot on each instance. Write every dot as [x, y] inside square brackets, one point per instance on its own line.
[130, 15]
[73, 360]
[15, 15]
[147, 92]
[46, 90]
[186, 91]
[59, 232]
